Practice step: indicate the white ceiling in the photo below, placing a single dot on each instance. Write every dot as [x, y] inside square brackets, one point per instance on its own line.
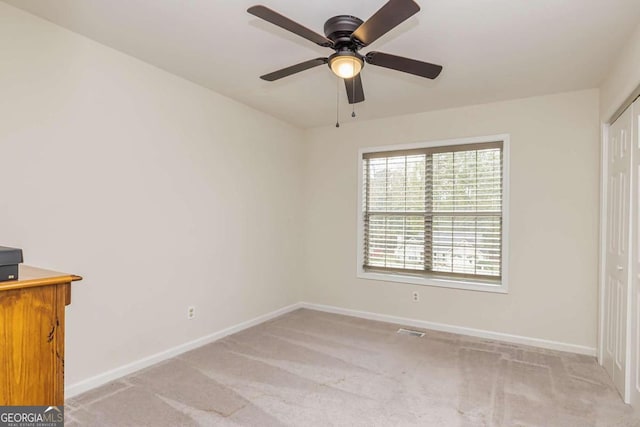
[490, 49]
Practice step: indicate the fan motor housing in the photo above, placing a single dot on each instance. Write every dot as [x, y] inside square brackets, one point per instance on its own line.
[339, 29]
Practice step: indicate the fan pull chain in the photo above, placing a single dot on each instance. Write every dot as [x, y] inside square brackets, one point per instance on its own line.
[338, 102]
[353, 90]
[353, 106]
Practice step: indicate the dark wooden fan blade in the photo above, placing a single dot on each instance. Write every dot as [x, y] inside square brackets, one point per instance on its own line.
[283, 22]
[294, 69]
[355, 93]
[406, 65]
[386, 18]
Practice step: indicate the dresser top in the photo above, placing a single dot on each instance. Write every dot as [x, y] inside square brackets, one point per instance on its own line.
[32, 276]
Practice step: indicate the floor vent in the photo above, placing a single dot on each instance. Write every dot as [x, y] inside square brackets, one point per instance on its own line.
[410, 332]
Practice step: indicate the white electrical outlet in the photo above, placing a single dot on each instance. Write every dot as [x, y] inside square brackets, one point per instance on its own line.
[191, 312]
[415, 296]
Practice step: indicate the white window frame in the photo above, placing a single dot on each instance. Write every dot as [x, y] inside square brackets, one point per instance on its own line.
[468, 284]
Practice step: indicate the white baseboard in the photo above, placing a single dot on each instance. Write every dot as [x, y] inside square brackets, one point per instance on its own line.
[114, 374]
[480, 333]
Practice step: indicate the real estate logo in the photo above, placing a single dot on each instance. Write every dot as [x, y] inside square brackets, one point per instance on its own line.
[31, 416]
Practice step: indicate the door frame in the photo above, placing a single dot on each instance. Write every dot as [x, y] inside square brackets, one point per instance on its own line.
[634, 268]
[604, 170]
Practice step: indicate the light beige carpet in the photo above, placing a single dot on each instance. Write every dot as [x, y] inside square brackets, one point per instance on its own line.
[309, 368]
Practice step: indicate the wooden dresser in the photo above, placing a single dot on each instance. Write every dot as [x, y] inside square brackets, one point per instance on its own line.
[32, 337]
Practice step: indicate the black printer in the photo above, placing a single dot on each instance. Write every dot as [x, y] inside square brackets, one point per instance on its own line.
[9, 260]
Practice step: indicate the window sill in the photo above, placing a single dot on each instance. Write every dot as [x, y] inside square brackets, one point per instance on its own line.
[441, 283]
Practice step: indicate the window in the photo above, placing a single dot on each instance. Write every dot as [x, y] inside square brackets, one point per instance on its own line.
[434, 214]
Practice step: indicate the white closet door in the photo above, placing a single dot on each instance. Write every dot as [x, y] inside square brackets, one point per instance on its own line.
[635, 259]
[617, 256]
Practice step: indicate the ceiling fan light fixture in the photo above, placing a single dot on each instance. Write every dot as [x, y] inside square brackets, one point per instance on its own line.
[345, 65]
[346, 35]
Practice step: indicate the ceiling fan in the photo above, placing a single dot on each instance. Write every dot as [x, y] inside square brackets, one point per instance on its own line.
[346, 35]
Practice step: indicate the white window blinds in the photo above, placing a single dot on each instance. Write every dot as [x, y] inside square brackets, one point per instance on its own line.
[434, 211]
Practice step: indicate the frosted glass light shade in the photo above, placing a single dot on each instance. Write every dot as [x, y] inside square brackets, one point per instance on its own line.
[346, 66]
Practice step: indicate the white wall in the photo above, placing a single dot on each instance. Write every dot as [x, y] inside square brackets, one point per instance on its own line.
[160, 193]
[553, 239]
[623, 77]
